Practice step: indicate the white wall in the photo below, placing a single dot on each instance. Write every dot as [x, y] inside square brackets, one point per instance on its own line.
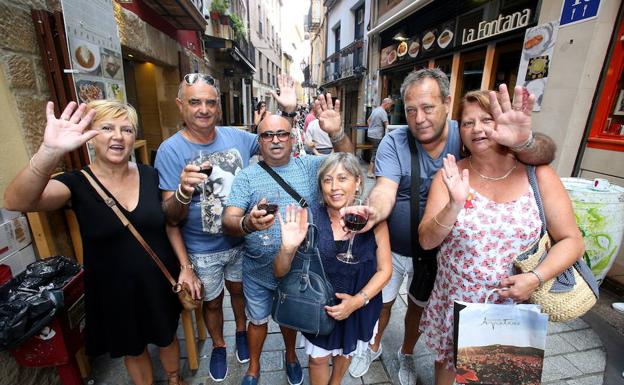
[342, 13]
[577, 61]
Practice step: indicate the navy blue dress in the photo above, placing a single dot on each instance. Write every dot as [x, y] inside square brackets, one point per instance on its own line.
[348, 279]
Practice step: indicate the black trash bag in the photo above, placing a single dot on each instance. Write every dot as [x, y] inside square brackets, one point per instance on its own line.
[29, 301]
[53, 273]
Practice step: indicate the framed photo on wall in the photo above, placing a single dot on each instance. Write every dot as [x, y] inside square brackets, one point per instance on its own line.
[619, 105]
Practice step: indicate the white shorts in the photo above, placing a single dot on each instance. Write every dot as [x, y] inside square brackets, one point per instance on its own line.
[317, 351]
[401, 266]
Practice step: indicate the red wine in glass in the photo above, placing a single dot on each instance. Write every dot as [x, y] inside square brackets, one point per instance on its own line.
[355, 218]
[270, 208]
[355, 222]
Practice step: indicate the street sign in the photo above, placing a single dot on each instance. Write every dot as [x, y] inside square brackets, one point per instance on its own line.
[576, 11]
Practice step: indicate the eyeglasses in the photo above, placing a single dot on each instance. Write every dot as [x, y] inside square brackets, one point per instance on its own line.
[192, 78]
[267, 136]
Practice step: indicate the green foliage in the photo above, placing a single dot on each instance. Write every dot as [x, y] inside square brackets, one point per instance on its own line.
[239, 26]
[220, 6]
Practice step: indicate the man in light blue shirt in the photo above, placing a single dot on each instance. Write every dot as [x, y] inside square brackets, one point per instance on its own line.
[243, 218]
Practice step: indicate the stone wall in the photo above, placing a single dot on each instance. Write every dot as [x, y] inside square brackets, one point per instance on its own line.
[24, 91]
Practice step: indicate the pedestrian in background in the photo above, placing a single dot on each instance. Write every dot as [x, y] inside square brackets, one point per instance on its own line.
[377, 126]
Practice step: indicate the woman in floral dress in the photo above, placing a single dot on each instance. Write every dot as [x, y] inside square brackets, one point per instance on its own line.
[481, 211]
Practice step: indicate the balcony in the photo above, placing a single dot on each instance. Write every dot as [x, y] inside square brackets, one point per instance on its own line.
[312, 21]
[345, 64]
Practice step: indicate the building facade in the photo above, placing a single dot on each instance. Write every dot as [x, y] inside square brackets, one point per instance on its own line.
[231, 58]
[344, 64]
[265, 29]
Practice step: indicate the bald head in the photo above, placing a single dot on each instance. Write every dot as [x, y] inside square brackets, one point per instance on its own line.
[274, 123]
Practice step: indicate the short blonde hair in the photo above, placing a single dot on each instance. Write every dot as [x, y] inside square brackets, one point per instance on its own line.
[113, 109]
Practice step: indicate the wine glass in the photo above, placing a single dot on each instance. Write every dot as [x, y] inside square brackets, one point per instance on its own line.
[355, 218]
[270, 203]
[201, 159]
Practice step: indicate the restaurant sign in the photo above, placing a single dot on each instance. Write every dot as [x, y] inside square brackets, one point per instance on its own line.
[502, 24]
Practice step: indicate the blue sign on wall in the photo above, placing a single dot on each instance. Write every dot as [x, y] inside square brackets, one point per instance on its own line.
[575, 11]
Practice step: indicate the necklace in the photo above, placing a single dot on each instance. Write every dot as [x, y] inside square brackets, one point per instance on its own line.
[489, 177]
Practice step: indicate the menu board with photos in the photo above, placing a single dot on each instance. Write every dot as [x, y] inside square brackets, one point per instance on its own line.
[94, 50]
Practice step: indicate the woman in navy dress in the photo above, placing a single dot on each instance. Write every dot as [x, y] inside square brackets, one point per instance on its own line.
[357, 286]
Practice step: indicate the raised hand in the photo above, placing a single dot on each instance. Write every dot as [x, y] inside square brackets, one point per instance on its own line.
[458, 184]
[67, 132]
[287, 99]
[328, 114]
[294, 226]
[513, 121]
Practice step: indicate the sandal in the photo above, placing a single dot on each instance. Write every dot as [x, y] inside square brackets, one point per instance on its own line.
[173, 378]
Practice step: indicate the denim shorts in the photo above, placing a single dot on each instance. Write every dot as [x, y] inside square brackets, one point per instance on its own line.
[214, 268]
[258, 301]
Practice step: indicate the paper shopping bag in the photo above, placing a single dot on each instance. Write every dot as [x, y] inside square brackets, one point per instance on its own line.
[499, 344]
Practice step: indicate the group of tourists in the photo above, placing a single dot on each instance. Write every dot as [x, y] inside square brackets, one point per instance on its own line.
[450, 208]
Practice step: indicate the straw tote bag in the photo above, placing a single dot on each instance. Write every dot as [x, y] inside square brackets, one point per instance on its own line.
[568, 295]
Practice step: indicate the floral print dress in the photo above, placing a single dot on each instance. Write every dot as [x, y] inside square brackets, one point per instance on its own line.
[473, 259]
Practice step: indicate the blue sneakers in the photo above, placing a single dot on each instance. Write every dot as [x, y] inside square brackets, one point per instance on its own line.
[242, 350]
[218, 364]
[294, 373]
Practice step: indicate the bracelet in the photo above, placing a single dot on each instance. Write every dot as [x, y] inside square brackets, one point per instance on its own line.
[244, 226]
[183, 195]
[447, 227]
[189, 266]
[35, 170]
[289, 114]
[177, 197]
[523, 146]
[337, 138]
[539, 277]
[365, 296]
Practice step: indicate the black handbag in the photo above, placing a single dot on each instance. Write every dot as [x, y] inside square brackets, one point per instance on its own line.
[302, 294]
[424, 261]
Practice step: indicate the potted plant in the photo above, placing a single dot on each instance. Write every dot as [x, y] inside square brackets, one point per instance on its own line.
[217, 8]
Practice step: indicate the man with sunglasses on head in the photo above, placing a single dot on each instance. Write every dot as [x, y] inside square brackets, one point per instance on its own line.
[194, 210]
[243, 217]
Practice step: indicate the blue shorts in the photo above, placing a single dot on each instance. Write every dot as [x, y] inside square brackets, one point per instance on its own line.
[214, 268]
[258, 301]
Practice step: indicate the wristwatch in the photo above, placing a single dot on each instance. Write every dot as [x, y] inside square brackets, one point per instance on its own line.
[289, 114]
[365, 296]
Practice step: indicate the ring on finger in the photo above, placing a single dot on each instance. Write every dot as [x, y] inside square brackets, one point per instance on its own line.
[517, 108]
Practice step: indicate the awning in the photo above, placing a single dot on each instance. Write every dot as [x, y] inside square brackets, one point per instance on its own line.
[244, 59]
[181, 14]
[227, 50]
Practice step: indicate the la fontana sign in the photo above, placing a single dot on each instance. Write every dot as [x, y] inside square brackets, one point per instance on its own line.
[502, 24]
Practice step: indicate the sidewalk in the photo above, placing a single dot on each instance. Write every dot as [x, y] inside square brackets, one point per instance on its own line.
[575, 355]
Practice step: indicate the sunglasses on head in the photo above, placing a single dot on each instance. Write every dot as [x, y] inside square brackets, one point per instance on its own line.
[194, 77]
[267, 136]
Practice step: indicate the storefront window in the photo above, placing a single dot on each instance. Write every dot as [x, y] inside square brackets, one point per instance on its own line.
[446, 65]
[506, 65]
[472, 71]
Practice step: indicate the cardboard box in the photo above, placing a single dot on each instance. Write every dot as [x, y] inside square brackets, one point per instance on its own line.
[14, 235]
[18, 260]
